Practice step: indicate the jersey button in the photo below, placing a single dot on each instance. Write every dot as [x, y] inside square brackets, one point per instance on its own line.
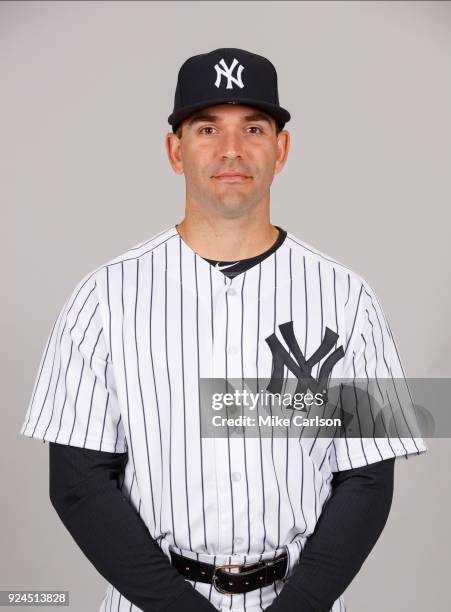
[236, 476]
[238, 541]
[232, 350]
[231, 291]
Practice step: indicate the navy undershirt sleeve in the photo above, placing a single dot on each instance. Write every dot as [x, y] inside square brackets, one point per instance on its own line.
[84, 490]
[347, 530]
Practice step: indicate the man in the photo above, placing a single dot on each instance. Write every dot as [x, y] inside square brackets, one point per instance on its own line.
[217, 522]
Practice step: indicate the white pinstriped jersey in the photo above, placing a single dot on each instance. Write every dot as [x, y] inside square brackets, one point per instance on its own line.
[120, 372]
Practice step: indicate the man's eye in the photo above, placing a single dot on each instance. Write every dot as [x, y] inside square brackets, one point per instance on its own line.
[255, 127]
[207, 128]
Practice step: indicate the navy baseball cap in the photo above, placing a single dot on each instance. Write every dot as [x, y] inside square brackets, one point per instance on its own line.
[227, 75]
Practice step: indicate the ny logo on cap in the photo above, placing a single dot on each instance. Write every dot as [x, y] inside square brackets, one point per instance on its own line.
[227, 73]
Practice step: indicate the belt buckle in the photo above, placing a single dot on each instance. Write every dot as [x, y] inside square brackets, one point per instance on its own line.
[250, 567]
[218, 567]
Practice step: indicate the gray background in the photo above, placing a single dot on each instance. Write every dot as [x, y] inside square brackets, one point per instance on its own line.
[86, 91]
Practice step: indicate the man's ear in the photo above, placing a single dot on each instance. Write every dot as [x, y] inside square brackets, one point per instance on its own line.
[283, 146]
[174, 152]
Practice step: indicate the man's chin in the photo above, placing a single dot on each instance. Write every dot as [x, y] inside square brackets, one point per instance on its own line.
[233, 207]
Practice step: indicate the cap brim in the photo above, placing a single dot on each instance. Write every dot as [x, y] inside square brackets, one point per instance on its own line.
[280, 115]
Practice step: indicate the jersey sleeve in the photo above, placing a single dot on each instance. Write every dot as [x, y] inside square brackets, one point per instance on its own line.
[375, 394]
[74, 399]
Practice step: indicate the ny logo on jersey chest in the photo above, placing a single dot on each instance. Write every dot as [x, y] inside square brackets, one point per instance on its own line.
[298, 364]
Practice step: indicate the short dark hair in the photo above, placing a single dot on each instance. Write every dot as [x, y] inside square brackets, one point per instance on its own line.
[178, 129]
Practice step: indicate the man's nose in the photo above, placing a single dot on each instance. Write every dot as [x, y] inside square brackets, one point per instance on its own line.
[231, 145]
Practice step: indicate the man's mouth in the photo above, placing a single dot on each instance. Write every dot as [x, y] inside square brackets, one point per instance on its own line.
[232, 177]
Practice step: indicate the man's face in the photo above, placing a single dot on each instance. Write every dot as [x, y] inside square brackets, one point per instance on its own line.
[229, 154]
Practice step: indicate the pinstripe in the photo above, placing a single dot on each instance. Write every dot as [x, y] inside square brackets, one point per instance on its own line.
[292, 414]
[230, 486]
[93, 387]
[369, 395]
[244, 430]
[81, 378]
[334, 443]
[109, 309]
[306, 307]
[354, 321]
[132, 455]
[349, 289]
[321, 327]
[166, 322]
[270, 409]
[335, 304]
[143, 412]
[259, 431]
[183, 395]
[200, 404]
[357, 412]
[105, 375]
[154, 381]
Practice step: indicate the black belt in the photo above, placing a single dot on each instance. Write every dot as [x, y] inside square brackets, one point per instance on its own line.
[247, 577]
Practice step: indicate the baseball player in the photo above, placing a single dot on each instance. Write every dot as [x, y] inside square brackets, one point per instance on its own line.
[176, 520]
